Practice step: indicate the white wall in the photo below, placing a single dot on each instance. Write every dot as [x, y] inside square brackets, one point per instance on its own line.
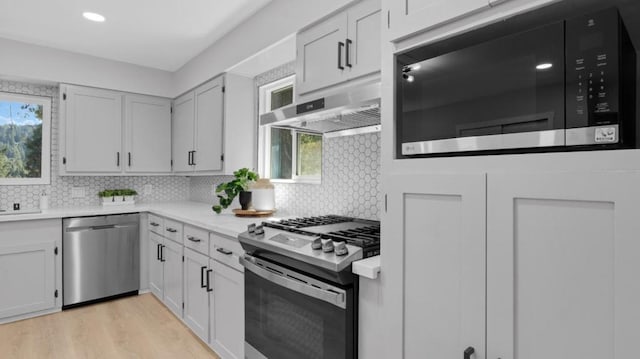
[272, 23]
[24, 61]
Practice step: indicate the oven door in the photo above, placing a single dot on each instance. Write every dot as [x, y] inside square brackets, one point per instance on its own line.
[290, 316]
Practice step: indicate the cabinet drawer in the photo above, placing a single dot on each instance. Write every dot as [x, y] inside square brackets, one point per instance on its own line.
[226, 250]
[156, 224]
[196, 239]
[173, 230]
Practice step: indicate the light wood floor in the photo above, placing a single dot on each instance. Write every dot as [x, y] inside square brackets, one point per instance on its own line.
[133, 327]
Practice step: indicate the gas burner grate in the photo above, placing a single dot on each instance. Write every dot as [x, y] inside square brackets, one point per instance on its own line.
[304, 222]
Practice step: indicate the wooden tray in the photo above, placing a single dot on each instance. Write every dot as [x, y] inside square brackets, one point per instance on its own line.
[252, 213]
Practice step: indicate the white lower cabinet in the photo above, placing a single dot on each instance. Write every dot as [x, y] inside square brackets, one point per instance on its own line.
[534, 265]
[227, 311]
[30, 268]
[201, 281]
[196, 292]
[165, 271]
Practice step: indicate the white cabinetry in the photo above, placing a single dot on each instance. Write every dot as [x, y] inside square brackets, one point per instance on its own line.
[105, 132]
[340, 48]
[165, 264]
[30, 268]
[409, 17]
[147, 134]
[437, 266]
[92, 127]
[213, 127]
[227, 312]
[561, 265]
[196, 292]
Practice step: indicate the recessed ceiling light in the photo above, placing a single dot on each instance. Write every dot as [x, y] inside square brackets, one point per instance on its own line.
[544, 66]
[93, 16]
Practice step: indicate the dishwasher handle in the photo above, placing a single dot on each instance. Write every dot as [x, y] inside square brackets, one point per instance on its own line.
[99, 227]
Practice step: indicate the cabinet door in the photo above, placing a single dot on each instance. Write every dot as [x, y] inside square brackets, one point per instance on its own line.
[320, 52]
[182, 132]
[147, 134]
[27, 278]
[172, 257]
[93, 130]
[411, 16]
[227, 312]
[196, 296]
[434, 265]
[363, 37]
[208, 135]
[562, 265]
[156, 269]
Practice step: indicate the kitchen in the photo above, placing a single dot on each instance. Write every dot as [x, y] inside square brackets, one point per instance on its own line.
[360, 178]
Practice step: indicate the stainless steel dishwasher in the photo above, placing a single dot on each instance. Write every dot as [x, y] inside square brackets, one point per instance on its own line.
[101, 258]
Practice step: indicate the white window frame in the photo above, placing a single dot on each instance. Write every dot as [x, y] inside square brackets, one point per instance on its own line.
[45, 160]
[264, 136]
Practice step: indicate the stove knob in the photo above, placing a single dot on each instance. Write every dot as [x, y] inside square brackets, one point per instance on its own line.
[316, 244]
[251, 228]
[259, 231]
[327, 246]
[341, 249]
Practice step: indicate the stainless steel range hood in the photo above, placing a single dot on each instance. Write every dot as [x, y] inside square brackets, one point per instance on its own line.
[347, 113]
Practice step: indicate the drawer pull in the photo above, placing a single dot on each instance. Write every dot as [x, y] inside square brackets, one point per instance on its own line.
[194, 239]
[172, 230]
[224, 251]
[154, 224]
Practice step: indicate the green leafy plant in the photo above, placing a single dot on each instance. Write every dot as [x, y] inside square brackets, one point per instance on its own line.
[106, 193]
[129, 192]
[229, 190]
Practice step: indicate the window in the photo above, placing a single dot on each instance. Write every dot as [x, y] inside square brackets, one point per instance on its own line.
[25, 123]
[284, 154]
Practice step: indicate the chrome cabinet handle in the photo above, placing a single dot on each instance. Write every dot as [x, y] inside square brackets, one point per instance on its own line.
[193, 239]
[224, 251]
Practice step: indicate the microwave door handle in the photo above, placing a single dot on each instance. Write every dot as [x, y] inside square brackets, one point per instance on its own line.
[335, 298]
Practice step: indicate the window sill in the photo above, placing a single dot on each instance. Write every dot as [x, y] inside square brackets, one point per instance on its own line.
[304, 181]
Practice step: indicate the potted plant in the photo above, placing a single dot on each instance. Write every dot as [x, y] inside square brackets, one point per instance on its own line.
[128, 194]
[238, 186]
[107, 196]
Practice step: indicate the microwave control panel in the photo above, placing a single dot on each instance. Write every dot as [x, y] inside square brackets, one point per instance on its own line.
[592, 69]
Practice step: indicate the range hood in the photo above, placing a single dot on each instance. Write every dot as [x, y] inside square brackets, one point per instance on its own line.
[347, 113]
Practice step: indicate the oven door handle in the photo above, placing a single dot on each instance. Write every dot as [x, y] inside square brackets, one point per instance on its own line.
[334, 296]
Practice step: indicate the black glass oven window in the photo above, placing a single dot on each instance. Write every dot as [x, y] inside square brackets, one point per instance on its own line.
[510, 84]
[284, 324]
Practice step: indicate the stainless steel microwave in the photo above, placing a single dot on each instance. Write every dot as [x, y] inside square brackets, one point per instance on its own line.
[550, 80]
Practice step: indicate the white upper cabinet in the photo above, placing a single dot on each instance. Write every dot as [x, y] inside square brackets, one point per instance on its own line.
[214, 127]
[92, 128]
[147, 134]
[340, 48]
[410, 16]
[562, 265]
[105, 132]
[209, 115]
[182, 132]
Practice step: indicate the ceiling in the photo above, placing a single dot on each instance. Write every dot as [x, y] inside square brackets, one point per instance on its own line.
[161, 34]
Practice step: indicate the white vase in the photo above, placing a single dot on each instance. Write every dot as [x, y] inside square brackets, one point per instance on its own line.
[263, 197]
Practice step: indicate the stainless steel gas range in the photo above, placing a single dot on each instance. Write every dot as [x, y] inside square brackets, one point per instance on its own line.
[301, 298]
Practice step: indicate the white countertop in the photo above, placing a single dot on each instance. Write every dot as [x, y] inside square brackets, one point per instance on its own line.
[194, 213]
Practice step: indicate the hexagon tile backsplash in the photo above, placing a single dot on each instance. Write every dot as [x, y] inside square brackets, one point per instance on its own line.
[350, 182]
[164, 188]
